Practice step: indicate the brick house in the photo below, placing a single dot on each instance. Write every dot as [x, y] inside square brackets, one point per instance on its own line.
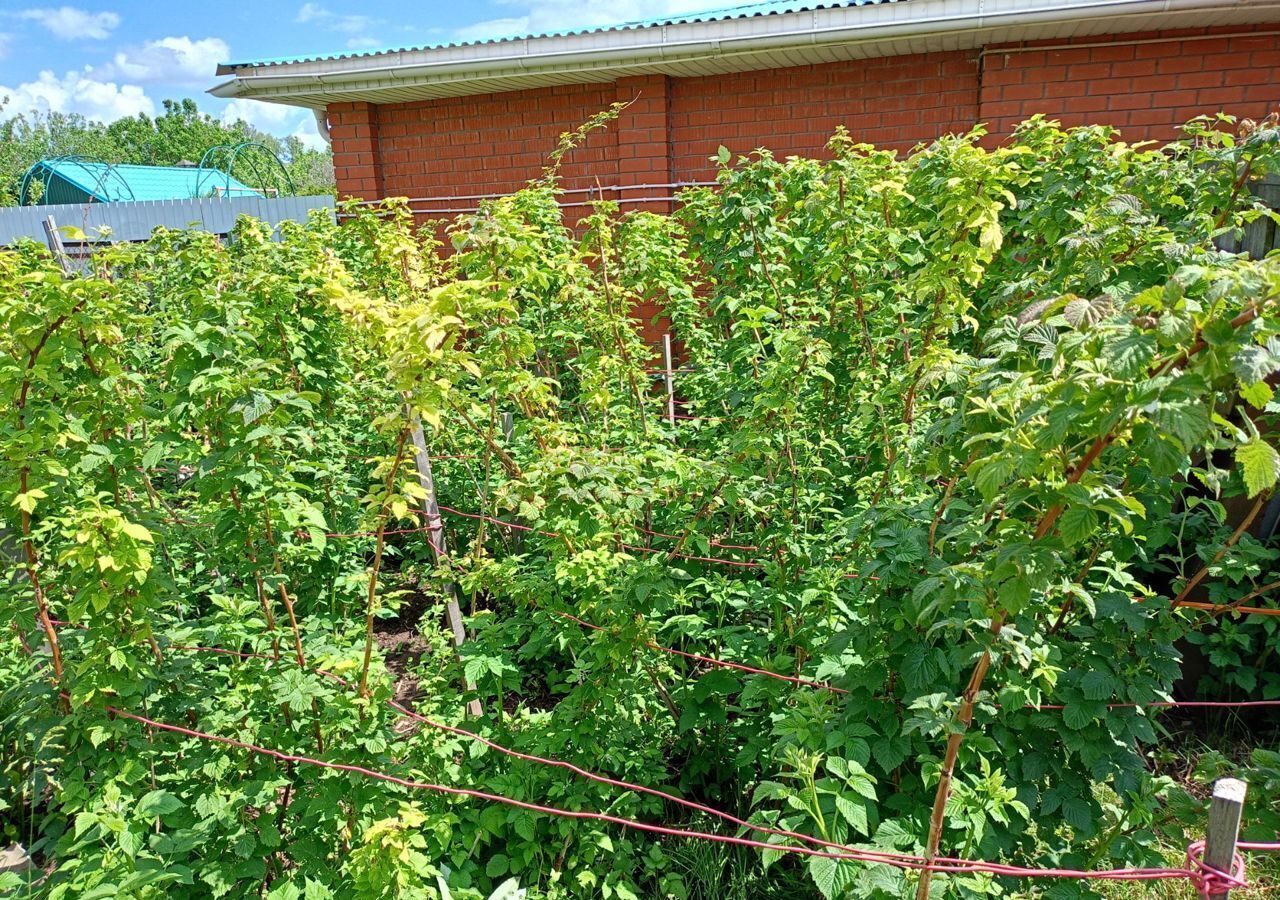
[449, 122]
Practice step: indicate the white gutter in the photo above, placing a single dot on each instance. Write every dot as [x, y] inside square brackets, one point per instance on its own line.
[596, 51]
[322, 124]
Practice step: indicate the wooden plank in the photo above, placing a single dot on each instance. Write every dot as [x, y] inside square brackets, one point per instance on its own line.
[439, 545]
[669, 376]
[53, 238]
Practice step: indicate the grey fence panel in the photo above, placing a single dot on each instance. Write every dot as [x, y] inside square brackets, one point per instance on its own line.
[1261, 237]
[135, 221]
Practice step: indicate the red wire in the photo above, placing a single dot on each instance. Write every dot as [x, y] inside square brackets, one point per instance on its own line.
[1174, 704]
[1228, 608]
[743, 564]
[716, 560]
[1204, 877]
[715, 662]
[902, 861]
[602, 779]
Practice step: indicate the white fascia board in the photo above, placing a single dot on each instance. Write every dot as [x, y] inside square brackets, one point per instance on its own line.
[651, 47]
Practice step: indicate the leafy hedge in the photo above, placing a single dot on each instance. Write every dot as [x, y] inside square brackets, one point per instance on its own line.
[973, 423]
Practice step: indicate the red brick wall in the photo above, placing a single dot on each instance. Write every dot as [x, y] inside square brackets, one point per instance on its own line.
[1145, 84]
[354, 139]
[491, 143]
[893, 102]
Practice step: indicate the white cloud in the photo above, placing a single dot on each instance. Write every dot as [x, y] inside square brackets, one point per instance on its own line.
[117, 88]
[169, 60]
[541, 16]
[70, 23]
[493, 28]
[275, 118]
[4, 44]
[78, 92]
[307, 133]
[331, 21]
[267, 116]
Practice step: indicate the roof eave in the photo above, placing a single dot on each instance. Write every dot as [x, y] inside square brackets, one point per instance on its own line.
[590, 56]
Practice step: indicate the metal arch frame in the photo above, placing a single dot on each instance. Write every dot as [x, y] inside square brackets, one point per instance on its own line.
[220, 161]
[99, 182]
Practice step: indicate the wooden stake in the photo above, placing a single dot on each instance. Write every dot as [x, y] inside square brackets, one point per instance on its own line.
[669, 376]
[439, 546]
[1225, 810]
[53, 238]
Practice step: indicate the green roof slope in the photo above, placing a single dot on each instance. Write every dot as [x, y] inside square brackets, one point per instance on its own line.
[108, 184]
[741, 11]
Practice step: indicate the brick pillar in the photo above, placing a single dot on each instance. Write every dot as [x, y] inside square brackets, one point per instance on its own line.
[644, 157]
[644, 137]
[353, 130]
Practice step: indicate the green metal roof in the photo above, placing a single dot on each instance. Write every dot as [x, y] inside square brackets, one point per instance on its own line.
[115, 183]
[745, 11]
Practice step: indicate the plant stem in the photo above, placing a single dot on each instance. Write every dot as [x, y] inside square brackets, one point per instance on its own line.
[1195, 579]
[28, 543]
[278, 569]
[371, 604]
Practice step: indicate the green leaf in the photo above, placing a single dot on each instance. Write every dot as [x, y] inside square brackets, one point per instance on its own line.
[1218, 333]
[1175, 329]
[154, 454]
[157, 803]
[254, 407]
[1257, 395]
[1253, 363]
[137, 532]
[823, 873]
[889, 753]
[1186, 418]
[1077, 813]
[1097, 685]
[854, 813]
[1131, 353]
[498, 864]
[989, 475]
[723, 155]
[918, 666]
[525, 826]
[1260, 464]
[1077, 716]
[1076, 524]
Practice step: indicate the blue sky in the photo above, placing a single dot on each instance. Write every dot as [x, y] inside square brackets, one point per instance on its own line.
[111, 58]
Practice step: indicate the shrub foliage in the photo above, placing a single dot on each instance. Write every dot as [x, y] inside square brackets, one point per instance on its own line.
[968, 427]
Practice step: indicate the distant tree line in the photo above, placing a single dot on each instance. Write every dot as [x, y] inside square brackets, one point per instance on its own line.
[181, 134]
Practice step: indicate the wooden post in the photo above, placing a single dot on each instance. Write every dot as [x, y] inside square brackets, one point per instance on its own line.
[1225, 810]
[436, 539]
[53, 238]
[669, 376]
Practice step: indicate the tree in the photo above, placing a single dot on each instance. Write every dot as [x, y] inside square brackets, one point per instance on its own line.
[180, 134]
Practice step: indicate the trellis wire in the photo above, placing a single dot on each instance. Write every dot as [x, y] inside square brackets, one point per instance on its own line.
[1208, 880]
[1202, 876]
